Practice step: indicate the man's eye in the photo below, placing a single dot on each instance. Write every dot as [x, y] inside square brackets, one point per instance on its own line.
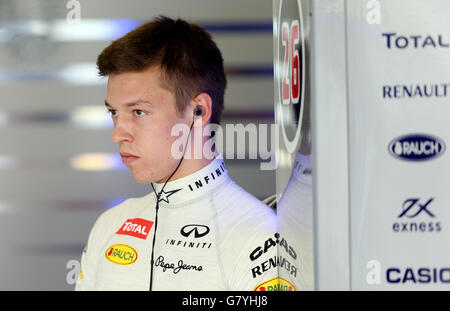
[112, 112]
[139, 112]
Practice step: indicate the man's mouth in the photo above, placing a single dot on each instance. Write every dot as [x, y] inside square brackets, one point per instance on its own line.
[128, 157]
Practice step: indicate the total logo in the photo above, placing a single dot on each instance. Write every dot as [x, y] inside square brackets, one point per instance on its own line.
[415, 208]
[121, 254]
[136, 227]
[393, 40]
[416, 147]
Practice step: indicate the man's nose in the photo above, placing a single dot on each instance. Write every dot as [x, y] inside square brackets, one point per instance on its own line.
[121, 132]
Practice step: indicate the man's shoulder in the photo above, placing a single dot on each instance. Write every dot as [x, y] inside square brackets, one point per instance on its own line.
[127, 208]
[245, 200]
[246, 211]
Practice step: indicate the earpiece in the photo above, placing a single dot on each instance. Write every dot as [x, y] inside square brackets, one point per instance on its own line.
[198, 112]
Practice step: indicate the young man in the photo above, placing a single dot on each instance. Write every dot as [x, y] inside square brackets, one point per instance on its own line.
[198, 230]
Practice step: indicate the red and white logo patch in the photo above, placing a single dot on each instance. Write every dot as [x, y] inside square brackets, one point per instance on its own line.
[136, 227]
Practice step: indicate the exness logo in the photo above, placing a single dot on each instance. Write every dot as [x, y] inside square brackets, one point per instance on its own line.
[415, 208]
[412, 208]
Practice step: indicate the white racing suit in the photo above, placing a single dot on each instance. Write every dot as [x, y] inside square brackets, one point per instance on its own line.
[211, 235]
[295, 223]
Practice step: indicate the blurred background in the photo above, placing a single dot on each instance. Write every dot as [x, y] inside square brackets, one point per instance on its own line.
[59, 169]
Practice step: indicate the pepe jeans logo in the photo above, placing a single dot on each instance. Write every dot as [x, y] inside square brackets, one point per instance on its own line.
[416, 147]
[198, 230]
[175, 269]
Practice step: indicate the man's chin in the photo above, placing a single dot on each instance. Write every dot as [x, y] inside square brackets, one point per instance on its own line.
[143, 180]
[140, 179]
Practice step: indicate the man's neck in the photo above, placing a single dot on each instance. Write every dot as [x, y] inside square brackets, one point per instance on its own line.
[187, 167]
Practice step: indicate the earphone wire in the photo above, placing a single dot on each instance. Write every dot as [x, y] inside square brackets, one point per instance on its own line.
[157, 206]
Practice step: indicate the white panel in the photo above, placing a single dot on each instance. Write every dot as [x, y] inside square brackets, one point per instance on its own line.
[330, 155]
[385, 190]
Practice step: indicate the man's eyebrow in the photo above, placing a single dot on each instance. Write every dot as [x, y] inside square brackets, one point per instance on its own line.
[131, 104]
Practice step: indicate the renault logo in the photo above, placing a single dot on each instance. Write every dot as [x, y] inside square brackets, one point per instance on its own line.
[199, 230]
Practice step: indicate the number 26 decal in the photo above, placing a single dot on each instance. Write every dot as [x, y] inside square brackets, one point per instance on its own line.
[291, 64]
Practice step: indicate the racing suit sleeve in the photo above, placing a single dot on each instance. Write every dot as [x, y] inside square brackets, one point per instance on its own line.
[82, 283]
[255, 262]
[259, 265]
[88, 267]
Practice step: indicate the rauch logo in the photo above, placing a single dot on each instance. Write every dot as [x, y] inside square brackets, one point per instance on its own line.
[121, 254]
[416, 147]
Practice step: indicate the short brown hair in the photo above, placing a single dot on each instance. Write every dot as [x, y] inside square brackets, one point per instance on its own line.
[190, 60]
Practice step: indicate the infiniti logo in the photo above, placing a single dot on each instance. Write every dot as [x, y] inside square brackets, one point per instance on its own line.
[199, 230]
